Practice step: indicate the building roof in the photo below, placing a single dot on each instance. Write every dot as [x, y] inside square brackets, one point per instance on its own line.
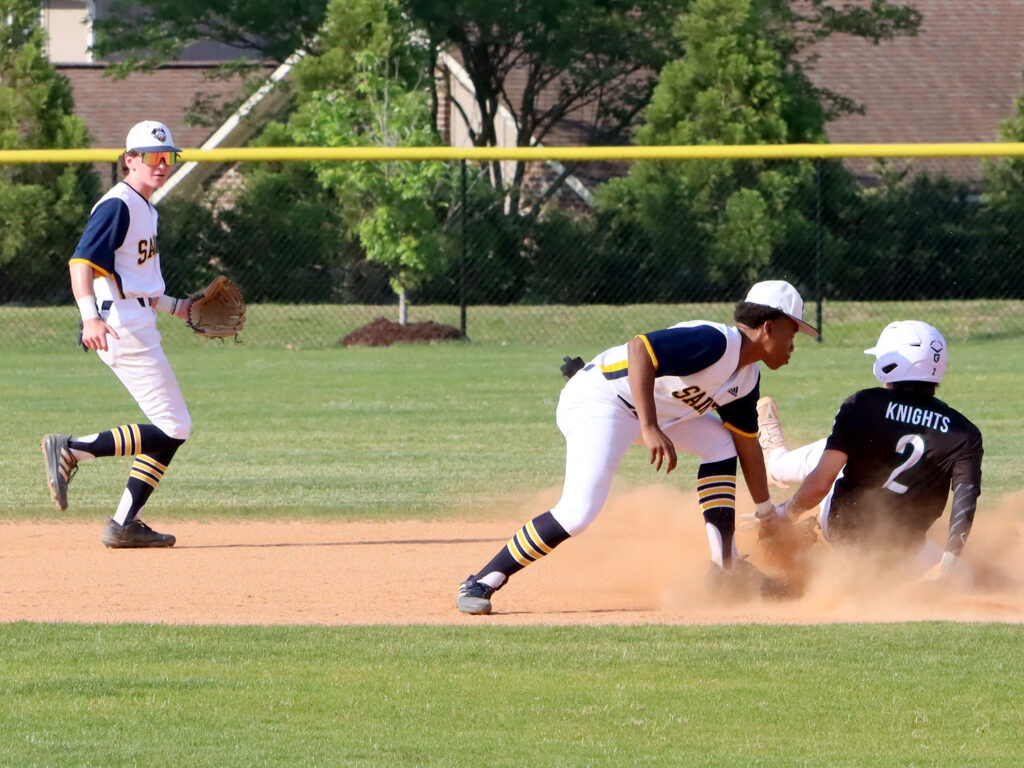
[954, 82]
[109, 107]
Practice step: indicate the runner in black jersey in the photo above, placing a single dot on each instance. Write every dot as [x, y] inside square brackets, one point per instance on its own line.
[883, 476]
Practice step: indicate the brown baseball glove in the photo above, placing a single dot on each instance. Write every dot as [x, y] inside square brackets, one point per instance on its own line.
[218, 310]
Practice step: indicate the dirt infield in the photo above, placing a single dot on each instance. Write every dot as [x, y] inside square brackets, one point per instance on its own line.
[642, 562]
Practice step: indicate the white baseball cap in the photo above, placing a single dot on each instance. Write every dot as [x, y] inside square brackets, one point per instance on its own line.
[909, 350]
[150, 136]
[780, 295]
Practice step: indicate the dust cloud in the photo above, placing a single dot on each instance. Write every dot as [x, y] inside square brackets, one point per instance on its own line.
[648, 549]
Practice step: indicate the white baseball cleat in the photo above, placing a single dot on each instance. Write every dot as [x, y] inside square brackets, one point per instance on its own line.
[769, 434]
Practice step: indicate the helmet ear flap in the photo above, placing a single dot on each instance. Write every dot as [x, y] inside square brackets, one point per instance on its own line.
[889, 366]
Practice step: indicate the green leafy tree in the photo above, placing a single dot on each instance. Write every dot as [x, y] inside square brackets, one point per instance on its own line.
[42, 207]
[140, 36]
[279, 234]
[1003, 209]
[368, 94]
[590, 61]
[722, 219]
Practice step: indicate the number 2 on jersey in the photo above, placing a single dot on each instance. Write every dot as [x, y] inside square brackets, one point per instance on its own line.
[916, 445]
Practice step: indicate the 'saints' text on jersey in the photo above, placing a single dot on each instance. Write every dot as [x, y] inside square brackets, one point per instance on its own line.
[696, 398]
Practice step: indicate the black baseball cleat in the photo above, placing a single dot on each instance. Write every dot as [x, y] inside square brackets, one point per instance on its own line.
[474, 597]
[743, 581]
[61, 466]
[134, 535]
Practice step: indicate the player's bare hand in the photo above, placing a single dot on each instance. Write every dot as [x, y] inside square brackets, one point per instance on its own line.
[663, 450]
[94, 334]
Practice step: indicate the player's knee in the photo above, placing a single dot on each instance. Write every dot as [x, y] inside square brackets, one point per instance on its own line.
[718, 450]
[574, 519]
[180, 429]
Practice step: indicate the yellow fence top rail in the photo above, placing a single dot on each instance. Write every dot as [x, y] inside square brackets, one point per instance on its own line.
[703, 152]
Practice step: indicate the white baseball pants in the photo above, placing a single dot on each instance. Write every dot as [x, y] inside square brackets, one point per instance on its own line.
[599, 428]
[139, 362]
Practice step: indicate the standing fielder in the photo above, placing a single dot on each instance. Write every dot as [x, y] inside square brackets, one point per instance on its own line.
[884, 474]
[118, 285]
[659, 390]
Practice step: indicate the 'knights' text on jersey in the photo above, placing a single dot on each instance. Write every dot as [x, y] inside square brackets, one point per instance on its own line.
[904, 453]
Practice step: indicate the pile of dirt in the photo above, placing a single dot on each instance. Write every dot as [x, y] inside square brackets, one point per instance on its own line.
[383, 333]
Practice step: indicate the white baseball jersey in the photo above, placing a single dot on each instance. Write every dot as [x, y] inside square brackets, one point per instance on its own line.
[696, 370]
[119, 243]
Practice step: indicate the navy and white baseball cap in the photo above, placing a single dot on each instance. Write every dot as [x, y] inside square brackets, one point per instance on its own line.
[780, 295]
[150, 136]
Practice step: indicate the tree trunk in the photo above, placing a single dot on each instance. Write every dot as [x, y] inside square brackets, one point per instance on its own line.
[403, 308]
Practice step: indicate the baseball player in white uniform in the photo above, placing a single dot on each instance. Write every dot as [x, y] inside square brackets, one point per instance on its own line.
[118, 286]
[663, 389]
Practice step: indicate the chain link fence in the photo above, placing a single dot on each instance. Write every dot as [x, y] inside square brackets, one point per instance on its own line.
[866, 242]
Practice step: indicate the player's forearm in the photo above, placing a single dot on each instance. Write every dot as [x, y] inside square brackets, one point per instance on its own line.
[752, 464]
[82, 290]
[81, 280]
[809, 495]
[818, 483]
[961, 519]
[170, 305]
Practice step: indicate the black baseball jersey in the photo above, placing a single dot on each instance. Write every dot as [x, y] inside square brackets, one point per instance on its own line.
[904, 452]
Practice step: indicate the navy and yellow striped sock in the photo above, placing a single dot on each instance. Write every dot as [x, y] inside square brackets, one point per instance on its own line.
[530, 543]
[716, 494]
[126, 440]
[143, 478]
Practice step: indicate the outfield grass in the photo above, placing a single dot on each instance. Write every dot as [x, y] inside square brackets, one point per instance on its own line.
[854, 695]
[461, 429]
[320, 326]
[440, 430]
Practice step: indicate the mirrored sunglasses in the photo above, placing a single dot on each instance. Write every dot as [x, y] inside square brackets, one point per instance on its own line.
[154, 158]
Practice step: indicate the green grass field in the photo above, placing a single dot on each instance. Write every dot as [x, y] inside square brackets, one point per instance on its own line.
[842, 695]
[459, 430]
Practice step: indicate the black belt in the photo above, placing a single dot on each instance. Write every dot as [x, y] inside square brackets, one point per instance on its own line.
[142, 302]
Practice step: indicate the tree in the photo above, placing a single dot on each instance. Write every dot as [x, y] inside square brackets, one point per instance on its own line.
[141, 36]
[593, 62]
[278, 233]
[367, 93]
[1003, 207]
[42, 207]
[721, 219]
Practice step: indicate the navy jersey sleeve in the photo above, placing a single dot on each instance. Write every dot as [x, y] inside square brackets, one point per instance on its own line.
[104, 234]
[741, 415]
[684, 351]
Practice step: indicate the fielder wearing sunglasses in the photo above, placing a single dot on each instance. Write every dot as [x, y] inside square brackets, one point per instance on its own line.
[153, 159]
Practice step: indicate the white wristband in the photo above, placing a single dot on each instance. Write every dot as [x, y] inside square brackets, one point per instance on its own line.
[165, 303]
[764, 509]
[87, 308]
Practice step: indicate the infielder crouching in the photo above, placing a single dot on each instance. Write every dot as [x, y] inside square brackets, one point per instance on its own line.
[118, 284]
[660, 390]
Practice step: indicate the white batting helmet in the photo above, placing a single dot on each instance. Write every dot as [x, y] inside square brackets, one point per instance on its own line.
[909, 350]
